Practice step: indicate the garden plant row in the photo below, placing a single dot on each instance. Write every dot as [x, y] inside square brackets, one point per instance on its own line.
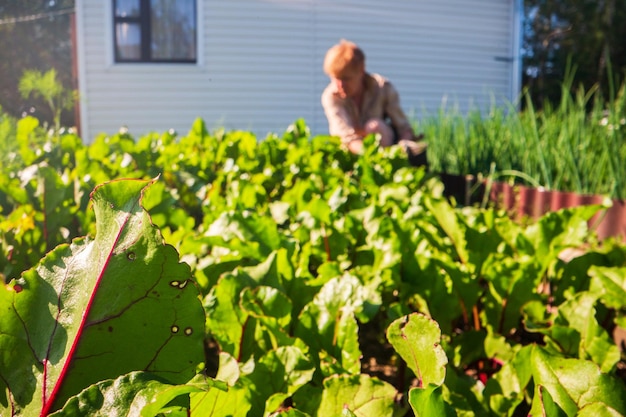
[575, 145]
[215, 274]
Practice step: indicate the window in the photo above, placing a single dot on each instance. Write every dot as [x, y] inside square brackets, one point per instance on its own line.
[154, 30]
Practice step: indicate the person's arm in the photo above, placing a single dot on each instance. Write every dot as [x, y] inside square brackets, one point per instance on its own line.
[395, 113]
[410, 142]
[340, 124]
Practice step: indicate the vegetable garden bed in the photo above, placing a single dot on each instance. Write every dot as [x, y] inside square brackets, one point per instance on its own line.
[219, 275]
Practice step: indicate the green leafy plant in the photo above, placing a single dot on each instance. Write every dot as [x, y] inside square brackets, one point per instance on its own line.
[98, 309]
[315, 282]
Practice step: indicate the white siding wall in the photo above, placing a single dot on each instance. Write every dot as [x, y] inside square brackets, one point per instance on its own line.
[260, 62]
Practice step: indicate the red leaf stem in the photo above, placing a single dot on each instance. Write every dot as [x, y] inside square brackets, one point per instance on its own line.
[243, 332]
[476, 316]
[49, 400]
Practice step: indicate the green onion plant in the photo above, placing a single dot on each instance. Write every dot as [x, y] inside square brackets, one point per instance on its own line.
[575, 145]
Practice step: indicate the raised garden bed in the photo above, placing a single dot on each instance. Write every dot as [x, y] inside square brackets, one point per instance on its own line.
[523, 202]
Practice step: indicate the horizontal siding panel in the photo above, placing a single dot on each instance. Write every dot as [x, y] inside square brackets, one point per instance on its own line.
[228, 116]
[169, 120]
[146, 104]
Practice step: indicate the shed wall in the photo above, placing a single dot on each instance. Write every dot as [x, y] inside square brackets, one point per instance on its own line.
[260, 62]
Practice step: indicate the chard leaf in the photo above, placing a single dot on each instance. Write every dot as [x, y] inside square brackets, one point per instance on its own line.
[268, 304]
[417, 339]
[428, 401]
[512, 284]
[575, 383]
[224, 321]
[262, 332]
[241, 299]
[217, 403]
[555, 231]
[506, 388]
[544, 405]
[598, 410]
[233, 402]
[228, 370]
[98, 309]
[328, 325]
[361, 395]
[579, 314]
[245, 232]
[383, 240]
[447, 218]
[134, 394]
[465, 285]
[279, 372]
[610, 284]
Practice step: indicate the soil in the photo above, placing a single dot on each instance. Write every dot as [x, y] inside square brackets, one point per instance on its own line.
[379, 358]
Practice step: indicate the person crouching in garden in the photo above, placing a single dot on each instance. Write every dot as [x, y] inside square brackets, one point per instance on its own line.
[357, 103]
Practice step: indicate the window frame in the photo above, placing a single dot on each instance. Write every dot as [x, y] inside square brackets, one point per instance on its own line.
[144, 22]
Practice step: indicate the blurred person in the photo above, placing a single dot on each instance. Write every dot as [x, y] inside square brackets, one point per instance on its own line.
[358, 103]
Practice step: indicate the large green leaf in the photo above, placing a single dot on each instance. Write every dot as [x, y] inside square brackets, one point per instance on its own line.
[98, 309]
[361, 395]
[217, 403]
[270, 319]
[428, 401]
[574, 383]
[328, 324]
[277, 375]
[135, 394]
[417, 339]
[579, 314]
[512, 283]
[610, 285]
[544, 404]
[269, 304]
[506, 389]
[448, 220]
[224, 320]
[246, 232]
[598, 410]
[558, 230]
[234, 402]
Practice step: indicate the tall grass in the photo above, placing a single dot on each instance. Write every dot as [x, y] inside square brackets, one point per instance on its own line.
[576, 145]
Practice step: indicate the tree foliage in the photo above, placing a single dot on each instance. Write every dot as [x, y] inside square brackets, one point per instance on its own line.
[35, 35]
[46, 86]
[585, 37]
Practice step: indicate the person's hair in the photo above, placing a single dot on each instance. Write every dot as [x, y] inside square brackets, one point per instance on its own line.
[345, 57]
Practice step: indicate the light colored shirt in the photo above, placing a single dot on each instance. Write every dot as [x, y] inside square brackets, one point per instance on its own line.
[380, 101]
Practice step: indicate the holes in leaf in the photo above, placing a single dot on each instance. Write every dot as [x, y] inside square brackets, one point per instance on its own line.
[188, 330]
[131, 256]
[179, 284]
